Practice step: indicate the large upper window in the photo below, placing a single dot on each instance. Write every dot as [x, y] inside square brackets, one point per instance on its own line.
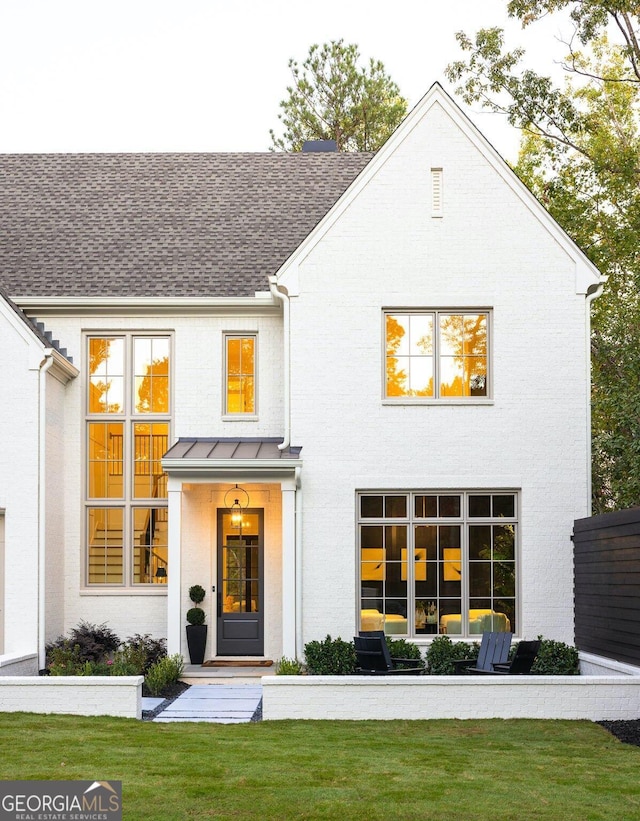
[438, 563]
[436, 354]
[240, 374]
[127, 429]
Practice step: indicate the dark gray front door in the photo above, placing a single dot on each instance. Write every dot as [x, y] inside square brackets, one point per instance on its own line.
[240, 584]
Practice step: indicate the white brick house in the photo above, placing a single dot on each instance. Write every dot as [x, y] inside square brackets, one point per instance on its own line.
[383, 359]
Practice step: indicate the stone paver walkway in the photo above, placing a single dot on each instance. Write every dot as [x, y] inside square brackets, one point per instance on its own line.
[217, 703]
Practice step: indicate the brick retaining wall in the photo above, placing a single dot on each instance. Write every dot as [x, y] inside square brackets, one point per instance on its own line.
[596, 698]
[75, 695]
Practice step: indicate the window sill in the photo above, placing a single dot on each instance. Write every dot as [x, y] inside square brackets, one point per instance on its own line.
[124, 591]
[240, 417]
[449, 402]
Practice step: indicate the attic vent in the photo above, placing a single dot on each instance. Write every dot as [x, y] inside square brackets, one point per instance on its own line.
[436, 192]
[319, 146]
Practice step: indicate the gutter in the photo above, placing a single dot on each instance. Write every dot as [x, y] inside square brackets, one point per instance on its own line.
[591, 296]
[45, 365]
[284, 298]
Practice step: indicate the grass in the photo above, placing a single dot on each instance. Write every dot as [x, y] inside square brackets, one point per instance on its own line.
[445, 770]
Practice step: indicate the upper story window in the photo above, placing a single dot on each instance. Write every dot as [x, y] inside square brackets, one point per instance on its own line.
[127, 433]
[438, 354]
[240, 374]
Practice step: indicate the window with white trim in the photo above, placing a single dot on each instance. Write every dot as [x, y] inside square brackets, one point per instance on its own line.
[127, 432]
[436, 354]
[240, 374]
[434, 562]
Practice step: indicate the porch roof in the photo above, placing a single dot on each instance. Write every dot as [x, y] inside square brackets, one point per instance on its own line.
[207, 455]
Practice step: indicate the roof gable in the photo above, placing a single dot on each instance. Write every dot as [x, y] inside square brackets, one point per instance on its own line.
[587, 277]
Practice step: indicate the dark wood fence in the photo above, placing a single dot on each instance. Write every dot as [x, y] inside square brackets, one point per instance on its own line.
[607, 585]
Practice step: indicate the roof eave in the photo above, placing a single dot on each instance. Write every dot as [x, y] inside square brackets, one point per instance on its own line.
[260, 303]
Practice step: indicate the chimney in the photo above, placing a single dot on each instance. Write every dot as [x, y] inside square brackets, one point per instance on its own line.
[319, 146]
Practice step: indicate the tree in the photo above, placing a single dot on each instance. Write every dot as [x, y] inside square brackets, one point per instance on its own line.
[332, 98]
[580, 155]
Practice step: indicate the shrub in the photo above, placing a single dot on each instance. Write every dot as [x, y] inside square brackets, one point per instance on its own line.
[289, 667]
[140, 652]
[195, 615]
[555, 658]
[93, 642]
[443, 652]
[331, 657]
[63, 659]
[403, 649]
[164, 674]
[196, 593]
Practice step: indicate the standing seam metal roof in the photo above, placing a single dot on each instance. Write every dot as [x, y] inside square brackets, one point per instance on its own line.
[169, 225]
[229, 449]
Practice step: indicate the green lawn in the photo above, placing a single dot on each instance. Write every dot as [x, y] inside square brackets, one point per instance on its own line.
[444, 770]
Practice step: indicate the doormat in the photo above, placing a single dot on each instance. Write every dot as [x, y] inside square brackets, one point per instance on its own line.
[238, 663]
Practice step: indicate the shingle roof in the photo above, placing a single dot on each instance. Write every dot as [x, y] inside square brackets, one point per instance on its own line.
[36, 328]
[159, 224]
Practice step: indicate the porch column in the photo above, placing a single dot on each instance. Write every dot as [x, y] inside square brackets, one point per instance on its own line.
[174, 617]
[289, 568]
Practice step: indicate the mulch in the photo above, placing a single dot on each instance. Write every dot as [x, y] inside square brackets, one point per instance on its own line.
[169, 694]
[626, 731]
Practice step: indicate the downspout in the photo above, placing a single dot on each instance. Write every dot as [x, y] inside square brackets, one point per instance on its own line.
[298, 555]
[597, 290]
[46, 363]
[284, 298]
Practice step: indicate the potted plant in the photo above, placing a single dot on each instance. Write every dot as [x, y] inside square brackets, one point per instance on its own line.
[196, 629]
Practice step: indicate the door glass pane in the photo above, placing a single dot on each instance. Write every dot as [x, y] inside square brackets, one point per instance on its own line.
[240, 565]
[105, 539]
[106, 375]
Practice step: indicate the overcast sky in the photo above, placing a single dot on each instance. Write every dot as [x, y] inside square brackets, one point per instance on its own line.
[206, 75]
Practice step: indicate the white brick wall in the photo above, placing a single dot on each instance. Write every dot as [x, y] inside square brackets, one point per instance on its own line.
[488, 250]
[19, 482]
[423, 697]
[74, 695]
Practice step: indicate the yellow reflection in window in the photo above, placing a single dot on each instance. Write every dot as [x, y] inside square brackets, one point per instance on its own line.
[150, 442]
[106, 375]
[105, 460]
[151, 372]
[463, 354]
[372, 564]
[409, 354]
[452, 567]
[240, 374]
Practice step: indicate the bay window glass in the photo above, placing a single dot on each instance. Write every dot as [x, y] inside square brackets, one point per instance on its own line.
[437, 563]
[127, 430]
[436, 354]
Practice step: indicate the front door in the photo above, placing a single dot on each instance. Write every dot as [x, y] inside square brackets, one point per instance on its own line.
[240, 584]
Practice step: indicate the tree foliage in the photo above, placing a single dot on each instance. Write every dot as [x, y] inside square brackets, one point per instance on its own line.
[333, 98]
[580, 155]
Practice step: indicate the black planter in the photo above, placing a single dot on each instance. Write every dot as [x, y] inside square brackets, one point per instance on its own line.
[196, 640]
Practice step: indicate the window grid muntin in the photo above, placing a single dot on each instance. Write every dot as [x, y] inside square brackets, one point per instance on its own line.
[437, 395]
[464, 522]
[129, 416]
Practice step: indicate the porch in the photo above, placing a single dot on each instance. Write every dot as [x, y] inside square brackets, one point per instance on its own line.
[234, 529]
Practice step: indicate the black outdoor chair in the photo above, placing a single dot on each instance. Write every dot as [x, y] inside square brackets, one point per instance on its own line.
[520, 664]
[374, 658]
[494, 649]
